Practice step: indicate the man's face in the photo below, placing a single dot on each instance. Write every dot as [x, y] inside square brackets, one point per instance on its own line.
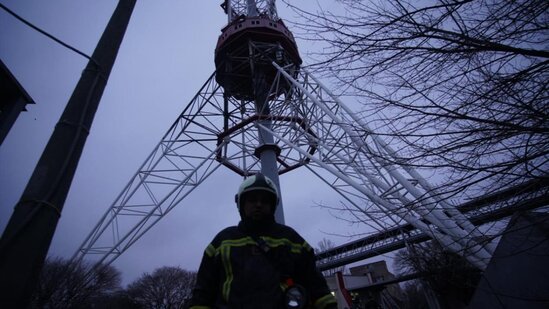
[257, 205]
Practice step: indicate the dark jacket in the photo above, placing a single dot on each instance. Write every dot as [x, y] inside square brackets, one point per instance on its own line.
[236, 273]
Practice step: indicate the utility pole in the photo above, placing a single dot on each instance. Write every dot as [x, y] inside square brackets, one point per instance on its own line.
[27, 237]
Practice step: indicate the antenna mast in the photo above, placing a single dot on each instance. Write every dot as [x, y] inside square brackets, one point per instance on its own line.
[237, 8]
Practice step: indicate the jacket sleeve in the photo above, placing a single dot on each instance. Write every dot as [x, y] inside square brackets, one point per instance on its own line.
[319, 292]
[206, 287]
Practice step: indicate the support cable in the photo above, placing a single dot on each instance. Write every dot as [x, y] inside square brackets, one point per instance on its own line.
[12, 13]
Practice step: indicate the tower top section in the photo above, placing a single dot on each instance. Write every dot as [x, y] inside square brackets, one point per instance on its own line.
[236, 9]
[253, 39]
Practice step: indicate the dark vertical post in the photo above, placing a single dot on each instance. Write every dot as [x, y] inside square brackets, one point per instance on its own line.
[27, 237]
[267, 151]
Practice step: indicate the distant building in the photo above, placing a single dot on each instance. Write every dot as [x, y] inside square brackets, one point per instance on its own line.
[386, 296]
[369, 286]
[13, 100]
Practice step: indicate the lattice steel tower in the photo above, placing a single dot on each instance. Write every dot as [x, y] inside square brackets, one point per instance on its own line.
[261, 111]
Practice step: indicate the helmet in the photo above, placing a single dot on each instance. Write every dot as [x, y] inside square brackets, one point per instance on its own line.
[257, 182]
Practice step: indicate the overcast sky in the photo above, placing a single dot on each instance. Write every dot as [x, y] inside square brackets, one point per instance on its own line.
[166, 55]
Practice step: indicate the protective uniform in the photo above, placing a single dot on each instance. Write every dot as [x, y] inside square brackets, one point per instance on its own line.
[252, 264]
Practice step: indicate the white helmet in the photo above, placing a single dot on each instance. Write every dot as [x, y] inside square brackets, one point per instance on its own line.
[257, 182]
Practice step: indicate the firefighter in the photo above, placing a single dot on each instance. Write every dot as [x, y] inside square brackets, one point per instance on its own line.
[259, 263]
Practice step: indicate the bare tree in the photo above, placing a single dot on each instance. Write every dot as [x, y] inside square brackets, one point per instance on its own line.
[167, 287]
[451, 277]
[460, 86]
[414, 297]
[64, 284]
[325, 245]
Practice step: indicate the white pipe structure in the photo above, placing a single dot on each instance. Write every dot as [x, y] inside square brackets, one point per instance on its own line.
[434, 215]
[460, 219]
[429, 210]
[442, 220]
[444, 224]
[374, 220]
[444, 239]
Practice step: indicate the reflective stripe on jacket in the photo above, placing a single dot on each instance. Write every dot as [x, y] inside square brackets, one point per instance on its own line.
[236, 273]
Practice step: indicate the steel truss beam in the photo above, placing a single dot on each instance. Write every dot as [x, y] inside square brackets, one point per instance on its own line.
[182, 160]
[361, 160]
[213, 130]
[311, 128]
